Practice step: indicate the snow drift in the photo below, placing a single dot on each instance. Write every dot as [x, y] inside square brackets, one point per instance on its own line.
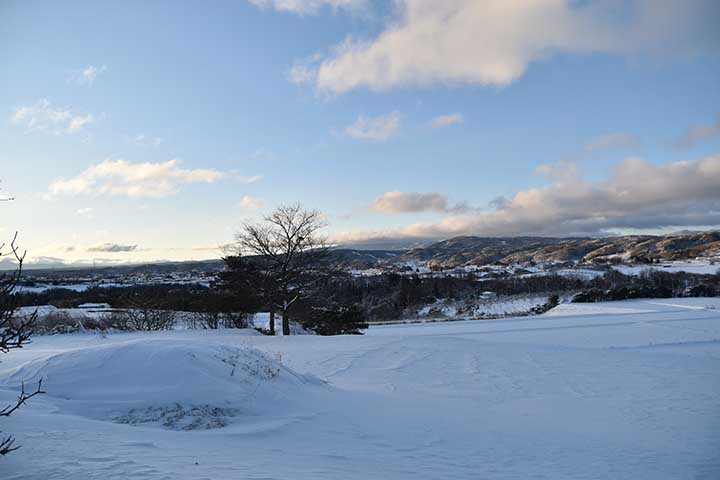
[179, 384]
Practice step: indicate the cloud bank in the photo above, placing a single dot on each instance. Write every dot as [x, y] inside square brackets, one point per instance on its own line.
[120, 177]
[492, 42]
[639, 194]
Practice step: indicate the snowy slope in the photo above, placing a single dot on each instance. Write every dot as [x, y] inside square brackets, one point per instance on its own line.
[627, 390]
[702, 267]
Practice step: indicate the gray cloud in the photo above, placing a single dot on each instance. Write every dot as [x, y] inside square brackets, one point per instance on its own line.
[112, 248]
[414, 202]
[639, 194]
[499, 202]
[697, 133]
[409, 202]
[615, 140]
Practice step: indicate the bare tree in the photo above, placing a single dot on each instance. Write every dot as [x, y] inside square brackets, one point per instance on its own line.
[285, 251]
[143, 314]
[14, 333]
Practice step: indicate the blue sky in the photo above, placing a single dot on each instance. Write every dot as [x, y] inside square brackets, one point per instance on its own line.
[151, 130]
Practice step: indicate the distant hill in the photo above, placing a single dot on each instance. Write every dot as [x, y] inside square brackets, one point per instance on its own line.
[470, 250]
[630, 249]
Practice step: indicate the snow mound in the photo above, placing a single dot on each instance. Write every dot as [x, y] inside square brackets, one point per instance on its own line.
[178, 384]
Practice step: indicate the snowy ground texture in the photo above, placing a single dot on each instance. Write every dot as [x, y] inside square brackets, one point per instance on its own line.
[608, 390]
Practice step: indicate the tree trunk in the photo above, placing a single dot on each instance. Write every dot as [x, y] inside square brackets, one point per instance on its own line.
[285, 323]
[272, 321]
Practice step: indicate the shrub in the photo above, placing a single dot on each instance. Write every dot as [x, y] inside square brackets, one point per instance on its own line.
[335, 320]
[57, 322]
[142, 319]
[61, 321]
[552, 302]
[211, 320]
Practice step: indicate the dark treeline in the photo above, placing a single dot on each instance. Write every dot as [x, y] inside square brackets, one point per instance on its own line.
[387, 297]
[382, 297]
[284, 265]
[184, 297]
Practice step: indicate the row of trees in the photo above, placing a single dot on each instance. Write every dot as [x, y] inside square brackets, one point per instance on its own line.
[329, 295]
[282, 265]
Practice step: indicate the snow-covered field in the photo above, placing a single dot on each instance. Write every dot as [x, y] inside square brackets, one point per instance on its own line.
[510, 305]
[703, 267]
[615, 390]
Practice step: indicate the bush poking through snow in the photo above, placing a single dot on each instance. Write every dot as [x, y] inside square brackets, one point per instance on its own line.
[177, 417]
[335, 319]
[142, 319]
[213, 320]
[59, 322]
[552, 302]
[14, 333]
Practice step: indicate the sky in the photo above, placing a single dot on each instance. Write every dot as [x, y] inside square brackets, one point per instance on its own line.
[138, 131]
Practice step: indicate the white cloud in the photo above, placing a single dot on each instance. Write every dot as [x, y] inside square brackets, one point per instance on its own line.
[43, 116]
[86, 211]
[377, 128]
[88, 74]
[119, 177]
[697, 133]
[250, 203]
[446, 120]
[492, 42]
[639, 194]
[78, 122]
[247, 179]
[302, 73]
[305, 7]
[144, 140]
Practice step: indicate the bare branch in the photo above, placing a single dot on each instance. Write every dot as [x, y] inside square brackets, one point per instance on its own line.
[14, 332]
[287, 249]
[22, 398]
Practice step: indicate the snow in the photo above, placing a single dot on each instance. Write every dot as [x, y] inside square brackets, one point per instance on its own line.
[94, 305]
[579, 273]
[507, 305]
[701, 266]
[635, 306]
[94, 382]
[262, 320]
[622, 390]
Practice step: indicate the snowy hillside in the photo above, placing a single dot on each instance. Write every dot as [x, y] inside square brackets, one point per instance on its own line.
[613, 390]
